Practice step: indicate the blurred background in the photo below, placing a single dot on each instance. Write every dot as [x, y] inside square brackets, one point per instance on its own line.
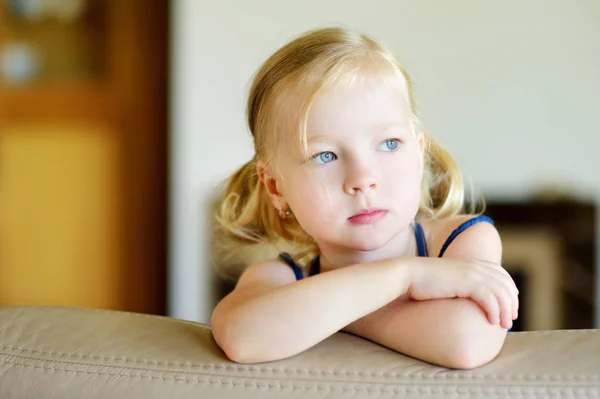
[83, 153]
[120, 118]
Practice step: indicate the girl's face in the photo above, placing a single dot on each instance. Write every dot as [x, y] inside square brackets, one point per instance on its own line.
[361, 185]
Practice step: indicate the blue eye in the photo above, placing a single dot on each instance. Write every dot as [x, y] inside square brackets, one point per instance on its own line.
[324, 157]
[390, 145]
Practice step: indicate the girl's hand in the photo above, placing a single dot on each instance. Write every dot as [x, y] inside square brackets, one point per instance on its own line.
[488, 284]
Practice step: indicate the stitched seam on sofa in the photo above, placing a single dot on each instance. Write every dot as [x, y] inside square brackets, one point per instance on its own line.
[452, 375]
[462, 389]
[419, 378]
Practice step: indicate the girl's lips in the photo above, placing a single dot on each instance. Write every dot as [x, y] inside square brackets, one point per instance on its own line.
[368, 216]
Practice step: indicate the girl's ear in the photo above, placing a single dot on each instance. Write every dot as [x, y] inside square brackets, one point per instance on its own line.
[271, 185]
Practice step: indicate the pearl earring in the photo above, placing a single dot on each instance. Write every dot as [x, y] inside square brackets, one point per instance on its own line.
[284, 214]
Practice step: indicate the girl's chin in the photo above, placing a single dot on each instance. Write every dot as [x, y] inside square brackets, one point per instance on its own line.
[359, 240]
[358, 245]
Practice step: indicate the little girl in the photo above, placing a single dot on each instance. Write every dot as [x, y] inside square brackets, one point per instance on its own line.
[373, 211]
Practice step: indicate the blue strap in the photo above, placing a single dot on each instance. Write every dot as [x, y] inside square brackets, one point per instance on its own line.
[462, 228]
[315, 267]
[421, 241]
[288, 259]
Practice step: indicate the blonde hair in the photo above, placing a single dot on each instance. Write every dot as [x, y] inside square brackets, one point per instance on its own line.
[305, 66]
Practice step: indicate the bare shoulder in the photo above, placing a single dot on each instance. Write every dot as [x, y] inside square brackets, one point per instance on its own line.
[266, 274]
[478, 241]
[257, 279]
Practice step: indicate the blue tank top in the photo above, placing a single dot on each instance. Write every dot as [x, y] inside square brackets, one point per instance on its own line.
[315, 266]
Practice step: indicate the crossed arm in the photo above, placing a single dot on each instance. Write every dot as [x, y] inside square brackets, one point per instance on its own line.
[448, 332]
[274, 317]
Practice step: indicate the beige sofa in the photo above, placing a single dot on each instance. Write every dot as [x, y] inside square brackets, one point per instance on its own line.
[77, 353]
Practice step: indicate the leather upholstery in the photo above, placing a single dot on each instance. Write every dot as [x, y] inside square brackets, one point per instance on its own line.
[81, 353]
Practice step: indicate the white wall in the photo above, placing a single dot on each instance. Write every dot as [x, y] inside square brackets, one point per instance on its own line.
[512, 88]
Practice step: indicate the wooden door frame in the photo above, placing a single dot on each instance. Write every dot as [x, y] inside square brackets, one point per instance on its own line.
[139, 57]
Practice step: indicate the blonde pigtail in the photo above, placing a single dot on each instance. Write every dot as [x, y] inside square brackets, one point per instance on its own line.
[250, 229]
[246, 213]
[443, 187]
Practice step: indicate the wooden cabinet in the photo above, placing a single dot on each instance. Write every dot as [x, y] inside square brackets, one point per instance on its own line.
[83, 148]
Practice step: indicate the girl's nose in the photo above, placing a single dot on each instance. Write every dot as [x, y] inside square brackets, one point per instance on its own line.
[360, 179]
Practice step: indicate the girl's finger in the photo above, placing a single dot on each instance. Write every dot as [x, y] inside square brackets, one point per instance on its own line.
[489, 302]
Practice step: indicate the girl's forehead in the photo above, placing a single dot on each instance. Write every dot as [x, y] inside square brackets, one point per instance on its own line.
[372, 102]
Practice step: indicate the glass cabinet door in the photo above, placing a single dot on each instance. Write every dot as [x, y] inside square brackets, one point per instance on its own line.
[52, 42]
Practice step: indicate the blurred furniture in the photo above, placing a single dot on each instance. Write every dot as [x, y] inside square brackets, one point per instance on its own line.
[83, 153]
[78, 353]
[549, 248]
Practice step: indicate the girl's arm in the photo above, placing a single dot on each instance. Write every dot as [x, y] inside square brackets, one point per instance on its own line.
[449, 332]
[270, 316]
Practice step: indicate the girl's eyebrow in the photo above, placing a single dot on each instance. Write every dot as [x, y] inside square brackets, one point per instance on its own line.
[388, 126]
[317, 137]
[375, 128]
